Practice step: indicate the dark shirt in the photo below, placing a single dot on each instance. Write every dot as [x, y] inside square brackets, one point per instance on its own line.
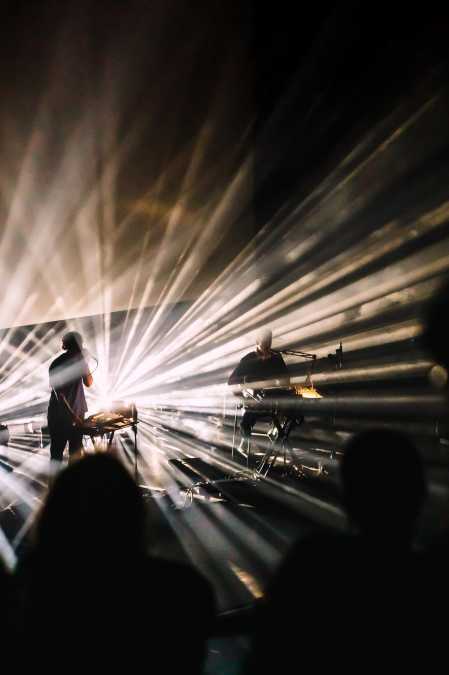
[254, 368]
[66, 377]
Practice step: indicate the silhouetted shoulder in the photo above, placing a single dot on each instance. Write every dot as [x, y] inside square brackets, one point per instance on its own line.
[58, 362]
[314, 554]
[249, 357]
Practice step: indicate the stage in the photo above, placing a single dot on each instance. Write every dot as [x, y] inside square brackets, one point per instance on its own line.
[205, 509]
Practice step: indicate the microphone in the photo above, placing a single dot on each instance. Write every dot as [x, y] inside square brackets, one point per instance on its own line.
[340, 355]
[337, 357]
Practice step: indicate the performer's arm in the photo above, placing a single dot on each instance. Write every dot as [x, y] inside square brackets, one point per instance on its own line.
[284, 377]
[88, 379]
[242, 371]
[236, 377]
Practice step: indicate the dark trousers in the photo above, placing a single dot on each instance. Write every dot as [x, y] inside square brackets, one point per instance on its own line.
[60, 436]
[246, 423]
[284, 428]
[250, 418]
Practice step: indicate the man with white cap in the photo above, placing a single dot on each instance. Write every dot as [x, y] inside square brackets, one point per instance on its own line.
[259, 366]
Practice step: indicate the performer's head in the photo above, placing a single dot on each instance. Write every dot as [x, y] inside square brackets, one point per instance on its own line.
[263, 342]
[436, 333]
[375, 501]
[72, 342]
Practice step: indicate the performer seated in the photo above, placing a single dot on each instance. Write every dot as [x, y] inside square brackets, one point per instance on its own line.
[258, 366]
[67, 406]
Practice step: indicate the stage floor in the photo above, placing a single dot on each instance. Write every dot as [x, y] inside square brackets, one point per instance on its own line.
[205, 509]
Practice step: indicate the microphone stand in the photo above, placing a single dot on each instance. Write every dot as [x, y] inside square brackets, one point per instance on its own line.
[304, 355]
[338, 357]
[134, 427]
[293, 352]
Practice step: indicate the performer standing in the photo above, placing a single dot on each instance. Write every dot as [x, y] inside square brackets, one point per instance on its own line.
[68, 373]
[258, 366]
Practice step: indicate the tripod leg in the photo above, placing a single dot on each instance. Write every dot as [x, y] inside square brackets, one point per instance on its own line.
[287, 449]
[235, 430]
[136, 475]
[274, 457]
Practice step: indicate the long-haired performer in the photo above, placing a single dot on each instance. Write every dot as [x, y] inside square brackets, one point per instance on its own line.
[68, 373]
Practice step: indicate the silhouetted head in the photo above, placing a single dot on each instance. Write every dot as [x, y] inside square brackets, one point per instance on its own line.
[94, 511]
[436, 332]
[263, 342]
[3, 574]
[72, 341]
[383, 484]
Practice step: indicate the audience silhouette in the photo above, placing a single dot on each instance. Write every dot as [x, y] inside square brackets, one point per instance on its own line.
[383, 488]
[436, 332]
[436, 559]
[6, 599]
[338, 599]
[91, 596]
